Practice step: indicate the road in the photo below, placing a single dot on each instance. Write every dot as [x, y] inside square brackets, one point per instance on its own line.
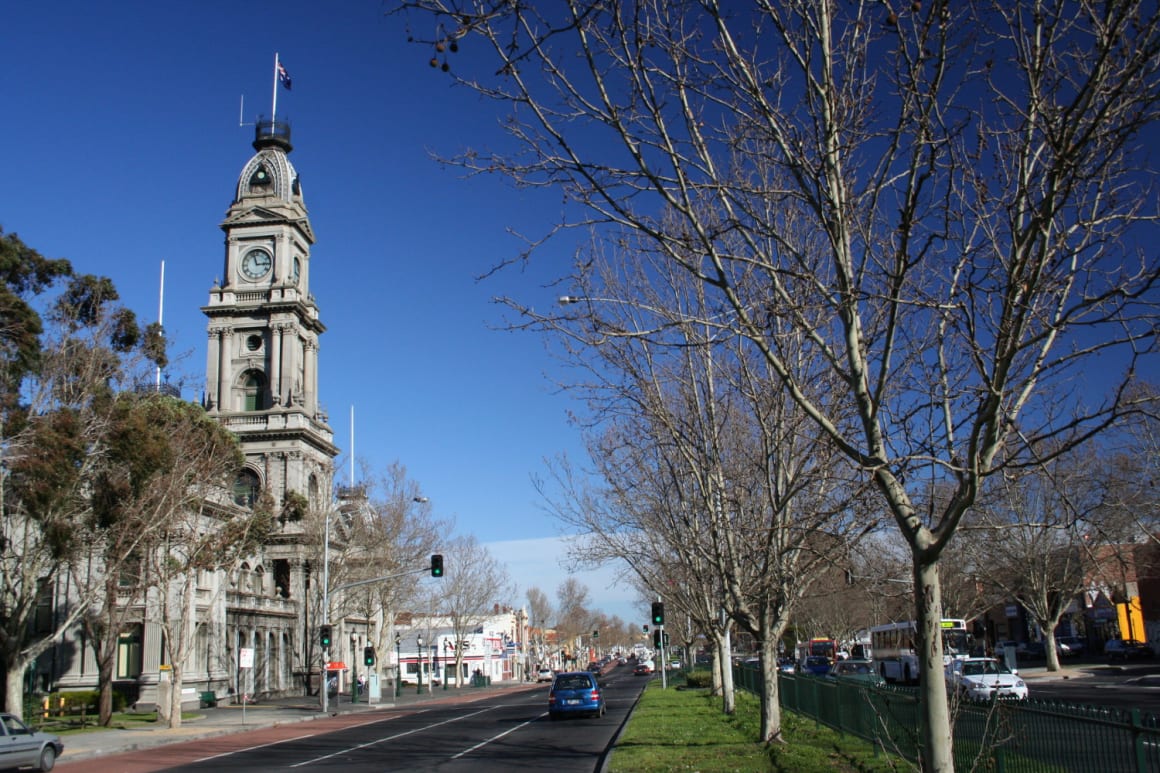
[506, 732]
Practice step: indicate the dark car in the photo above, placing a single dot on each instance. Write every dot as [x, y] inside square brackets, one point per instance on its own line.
[574, 693]
[816, 665]
[856, 670]
[1075, 645]
[644, 668]
[1127, 649]
[22, 746]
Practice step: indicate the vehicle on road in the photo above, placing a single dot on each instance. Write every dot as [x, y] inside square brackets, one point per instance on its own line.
[893, 645]
[575, 692]
[545, 675]
[856, 670]
[21, 746]
[1075, 645]
[643, 668]
[1127, 649]
[816, 665]
[982, 679]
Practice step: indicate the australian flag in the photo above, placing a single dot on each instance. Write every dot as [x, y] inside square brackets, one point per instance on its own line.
[283, 76]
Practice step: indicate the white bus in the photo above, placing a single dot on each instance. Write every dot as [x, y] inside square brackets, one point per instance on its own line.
[894, 650]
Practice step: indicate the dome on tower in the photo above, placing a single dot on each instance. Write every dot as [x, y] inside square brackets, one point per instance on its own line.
[269, 172]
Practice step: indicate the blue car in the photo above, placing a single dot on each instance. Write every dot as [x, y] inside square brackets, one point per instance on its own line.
[815, 665]
[575, 693]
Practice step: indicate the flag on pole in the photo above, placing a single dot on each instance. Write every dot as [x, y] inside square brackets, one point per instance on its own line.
[283, 76]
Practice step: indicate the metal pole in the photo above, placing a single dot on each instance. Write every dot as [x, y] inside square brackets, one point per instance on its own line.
[398, 665]
[325, 578]
[419, 657]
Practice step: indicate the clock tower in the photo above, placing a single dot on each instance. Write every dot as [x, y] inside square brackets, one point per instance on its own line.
[262, 363]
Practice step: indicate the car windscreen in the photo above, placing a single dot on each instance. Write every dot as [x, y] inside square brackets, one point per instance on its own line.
[573, 683]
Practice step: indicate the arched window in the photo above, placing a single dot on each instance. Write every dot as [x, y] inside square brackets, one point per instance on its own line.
[312, 491]
[259, 578]
[246, 488]
[253, 391]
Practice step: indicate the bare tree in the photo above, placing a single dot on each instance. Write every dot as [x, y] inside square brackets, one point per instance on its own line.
[957, 190]
[468, 594]
[1040, 538]
[540, 615]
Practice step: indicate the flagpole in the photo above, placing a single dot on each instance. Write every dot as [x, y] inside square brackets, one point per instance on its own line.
[161, 315]
[274, 107]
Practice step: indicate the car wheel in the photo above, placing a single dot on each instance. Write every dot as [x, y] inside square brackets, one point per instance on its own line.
[47, 758]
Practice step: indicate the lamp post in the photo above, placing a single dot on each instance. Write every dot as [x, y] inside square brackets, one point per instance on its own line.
[444, 664]
[398, 665]
[419, 656]
[325, 607]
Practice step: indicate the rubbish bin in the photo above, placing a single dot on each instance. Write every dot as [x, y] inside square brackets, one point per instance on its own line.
[479, 680]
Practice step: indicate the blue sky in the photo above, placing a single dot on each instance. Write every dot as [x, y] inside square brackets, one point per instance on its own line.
[121, 146]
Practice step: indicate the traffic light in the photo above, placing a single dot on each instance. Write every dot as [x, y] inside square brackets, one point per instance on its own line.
[646, 627]
[596, 634]
[436, 565]
[368, 656]
[658, 610]
[324, 636]
[657, 638]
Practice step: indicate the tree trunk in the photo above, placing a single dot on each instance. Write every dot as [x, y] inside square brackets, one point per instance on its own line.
[105, 662]
[770, 696]
[14, 689]
[175, 697]
[724, 648]
[935, 732]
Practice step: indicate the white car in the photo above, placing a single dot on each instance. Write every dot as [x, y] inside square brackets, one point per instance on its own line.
[545, 675]
[20, 745]
[981, 679]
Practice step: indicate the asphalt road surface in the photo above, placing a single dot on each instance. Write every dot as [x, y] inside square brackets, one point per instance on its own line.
[509, 732]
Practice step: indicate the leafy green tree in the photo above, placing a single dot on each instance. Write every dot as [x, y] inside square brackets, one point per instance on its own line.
[60, 382]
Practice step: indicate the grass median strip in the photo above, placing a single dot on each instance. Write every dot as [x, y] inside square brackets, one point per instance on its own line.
[684, 730]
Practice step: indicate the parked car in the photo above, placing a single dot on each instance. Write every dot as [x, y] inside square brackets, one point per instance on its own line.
[545, 675]
[575, 692]
[981, 679]
[856, 670]
[815, 664]
[1075, 644]
[21, 746]
[1127, 649]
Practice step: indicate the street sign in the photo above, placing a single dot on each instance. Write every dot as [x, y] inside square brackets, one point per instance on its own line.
[246, 657]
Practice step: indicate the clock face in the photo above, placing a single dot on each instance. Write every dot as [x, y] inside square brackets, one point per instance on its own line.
[256, 263]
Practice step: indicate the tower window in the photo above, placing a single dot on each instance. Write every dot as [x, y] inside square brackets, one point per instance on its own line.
[253, 343]
[246, 488]
[254, 391]
[260, 178]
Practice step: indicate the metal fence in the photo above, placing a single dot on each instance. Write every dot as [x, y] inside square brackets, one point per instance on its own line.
[1006, 737]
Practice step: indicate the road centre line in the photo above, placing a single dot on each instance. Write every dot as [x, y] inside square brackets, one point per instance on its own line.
[485, 742]
[388, 738]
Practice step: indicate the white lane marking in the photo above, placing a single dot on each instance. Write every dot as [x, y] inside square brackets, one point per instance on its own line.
[388, 738]
[485, 742]
[252, 748]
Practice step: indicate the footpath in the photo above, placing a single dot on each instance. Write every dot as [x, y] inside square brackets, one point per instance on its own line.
[228, 719]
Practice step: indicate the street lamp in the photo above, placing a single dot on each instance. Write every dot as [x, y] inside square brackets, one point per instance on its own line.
[419, 647]
[398, 665]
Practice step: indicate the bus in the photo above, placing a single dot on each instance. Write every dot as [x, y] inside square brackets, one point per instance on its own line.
[825, 648]
[893, 646]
